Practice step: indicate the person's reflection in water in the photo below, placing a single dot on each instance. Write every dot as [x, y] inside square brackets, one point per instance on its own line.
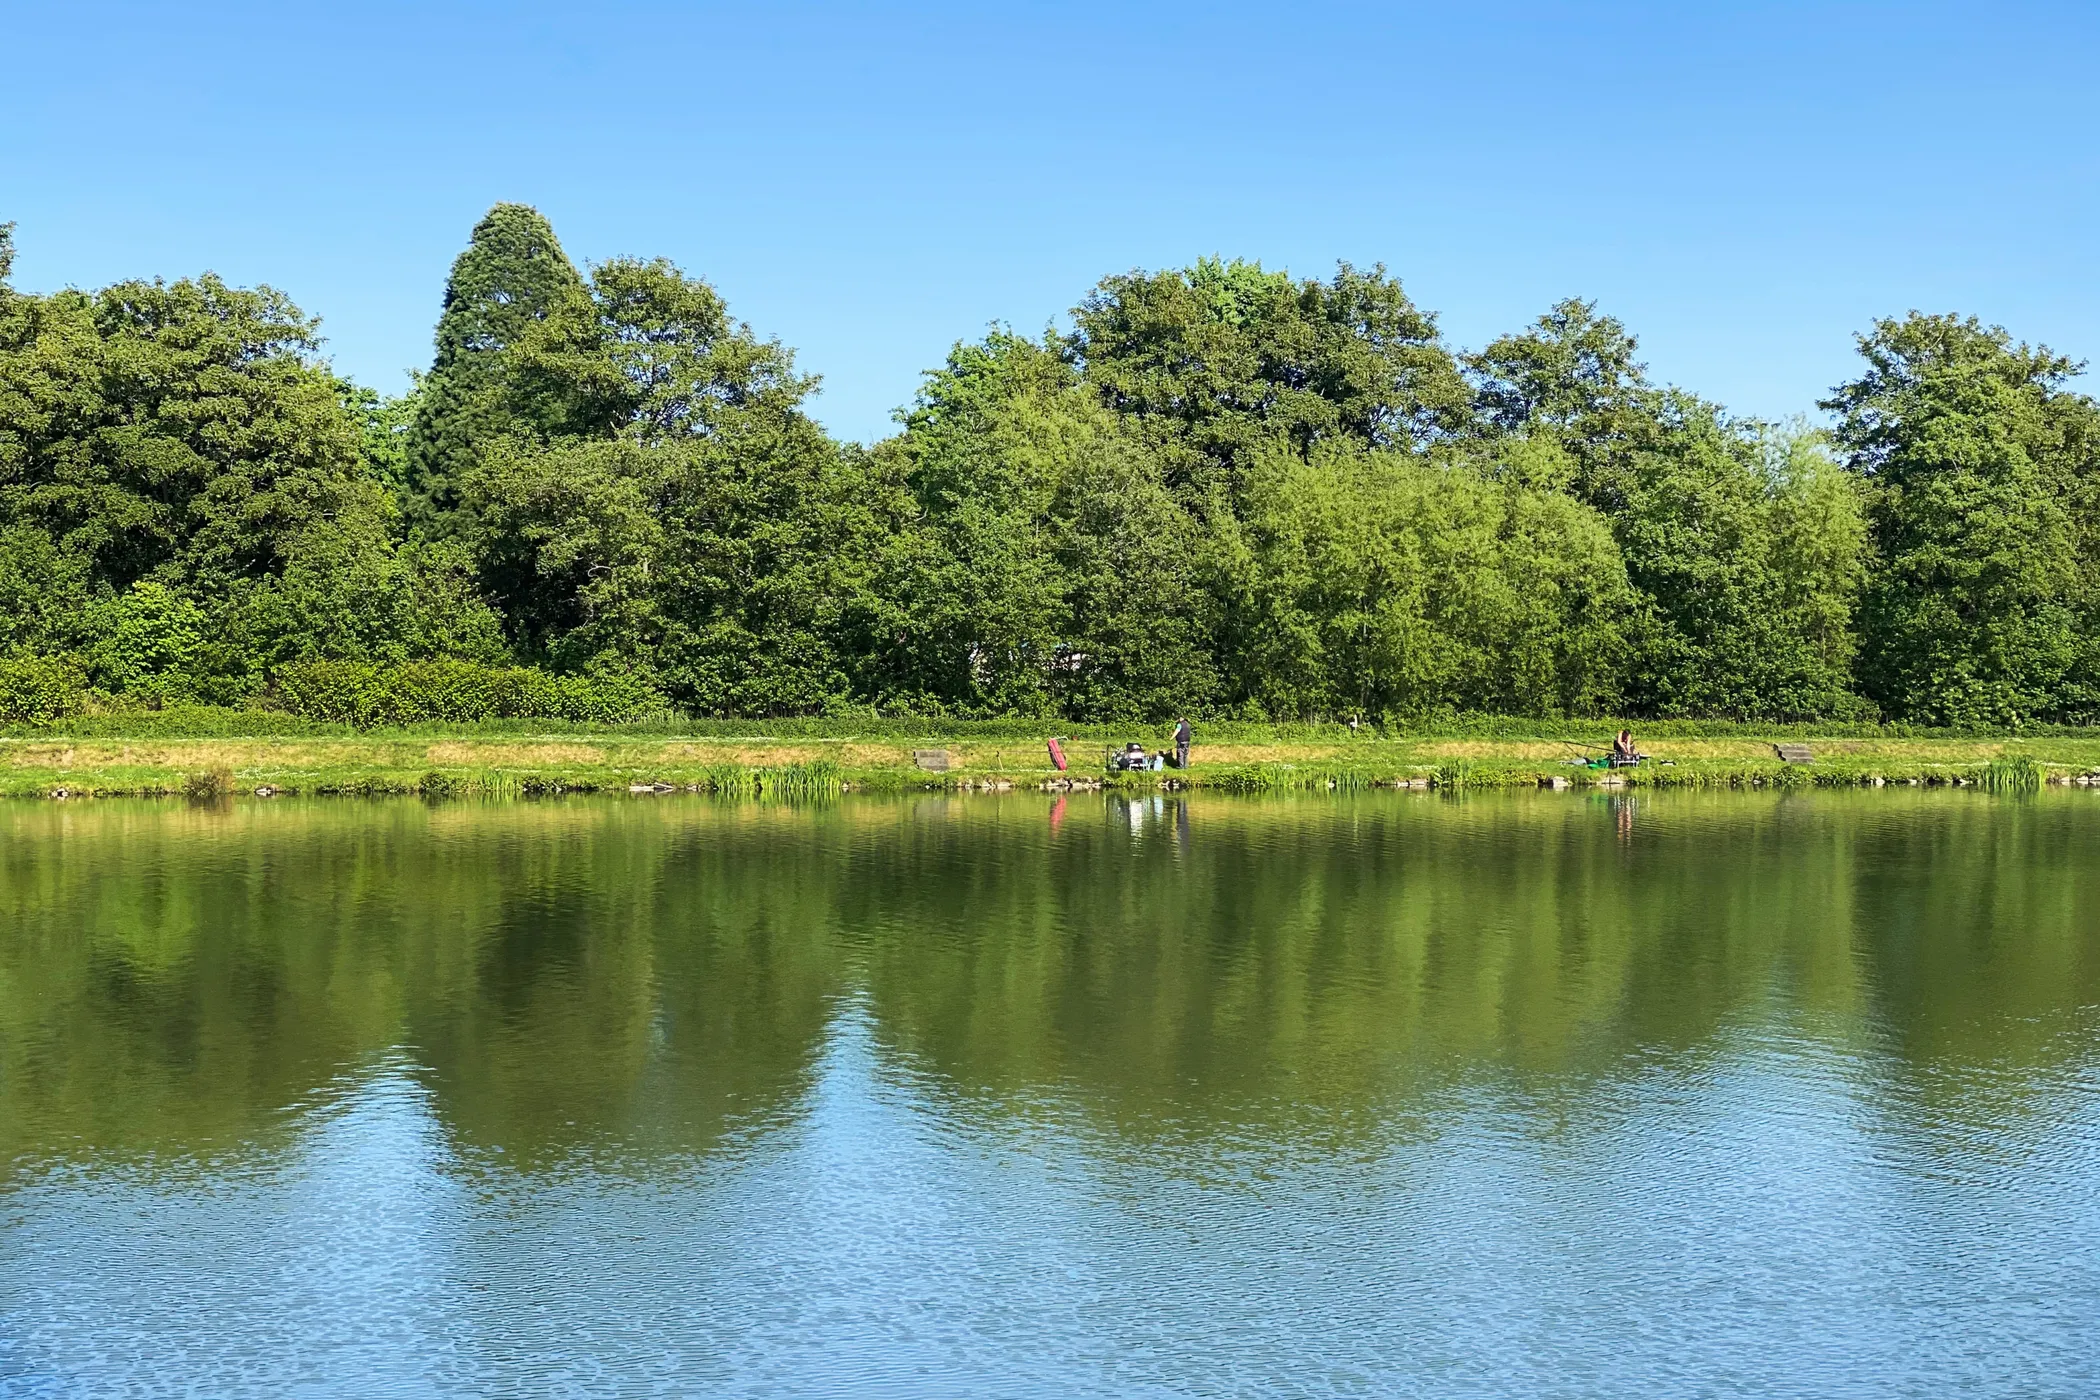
[1181, 825]
[1622, 808]
[1127, 810]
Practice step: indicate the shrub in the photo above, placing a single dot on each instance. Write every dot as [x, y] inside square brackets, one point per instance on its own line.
[39, 689]
[212, 786]
[148, 643]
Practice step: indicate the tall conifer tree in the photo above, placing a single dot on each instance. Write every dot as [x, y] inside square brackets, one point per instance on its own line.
[512, 276]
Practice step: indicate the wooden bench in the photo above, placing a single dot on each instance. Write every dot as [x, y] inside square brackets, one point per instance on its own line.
[1793, 753]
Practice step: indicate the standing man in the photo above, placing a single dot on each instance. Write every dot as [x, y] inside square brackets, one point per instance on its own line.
[1181, 743]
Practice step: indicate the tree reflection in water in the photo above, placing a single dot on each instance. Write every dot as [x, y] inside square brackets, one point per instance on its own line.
[641, 978]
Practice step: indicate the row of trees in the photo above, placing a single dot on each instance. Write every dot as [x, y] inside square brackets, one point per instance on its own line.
[1225, 490]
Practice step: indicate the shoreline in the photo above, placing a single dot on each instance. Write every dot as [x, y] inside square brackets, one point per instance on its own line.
[528, 764]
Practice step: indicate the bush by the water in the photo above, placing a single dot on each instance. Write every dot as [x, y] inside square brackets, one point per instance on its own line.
[366, 694]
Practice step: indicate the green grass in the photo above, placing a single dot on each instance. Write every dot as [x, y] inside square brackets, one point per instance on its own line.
[771, 759]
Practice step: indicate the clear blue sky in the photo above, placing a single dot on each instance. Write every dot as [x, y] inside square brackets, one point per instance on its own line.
[1745, 186]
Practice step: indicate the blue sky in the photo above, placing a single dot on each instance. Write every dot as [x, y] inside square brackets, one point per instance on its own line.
[1745, 186]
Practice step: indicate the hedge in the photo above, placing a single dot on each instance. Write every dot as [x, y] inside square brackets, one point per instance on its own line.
[368, 695]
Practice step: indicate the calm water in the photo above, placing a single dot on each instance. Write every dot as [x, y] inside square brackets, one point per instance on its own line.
[1539, 1095]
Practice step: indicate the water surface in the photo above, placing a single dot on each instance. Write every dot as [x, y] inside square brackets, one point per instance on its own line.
[1529, 1095]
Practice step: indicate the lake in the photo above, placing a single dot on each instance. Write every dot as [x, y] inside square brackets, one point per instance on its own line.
[1540, 1094]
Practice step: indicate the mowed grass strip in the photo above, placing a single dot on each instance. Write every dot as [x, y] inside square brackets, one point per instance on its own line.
[513, 762]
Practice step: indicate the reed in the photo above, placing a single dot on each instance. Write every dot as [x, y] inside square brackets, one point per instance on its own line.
[802, 782]
[1455, 777]
[730, 780]
[2017, 774]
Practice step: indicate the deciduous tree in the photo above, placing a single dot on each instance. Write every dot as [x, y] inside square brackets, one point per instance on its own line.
[1982, 467]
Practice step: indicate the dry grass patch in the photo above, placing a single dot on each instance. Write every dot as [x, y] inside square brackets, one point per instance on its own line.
[1508, 748]
[473, 755]
[878, 756]
[1938, 751]
[201, 754]
[48, 756]
[774, 756]
[1203, 753]
[779, 757]
[751, 756]
[1712, 748]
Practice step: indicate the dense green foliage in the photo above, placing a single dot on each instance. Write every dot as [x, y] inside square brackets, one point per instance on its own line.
[38, 689]
[1359, 582]
[184, 505]
[1986, 477]
[1225, 492]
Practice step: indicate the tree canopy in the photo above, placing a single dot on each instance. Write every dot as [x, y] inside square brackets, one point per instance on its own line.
[1223, 490]
[1982, 470]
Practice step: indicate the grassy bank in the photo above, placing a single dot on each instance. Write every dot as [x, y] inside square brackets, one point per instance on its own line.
[208, 753]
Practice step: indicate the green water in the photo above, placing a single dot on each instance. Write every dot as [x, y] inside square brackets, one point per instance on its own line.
[1529, 1095]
